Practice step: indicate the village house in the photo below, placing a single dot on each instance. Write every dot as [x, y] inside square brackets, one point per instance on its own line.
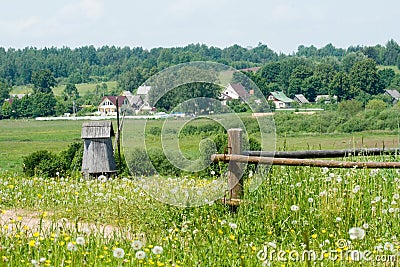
[108, 104]
[144, 91]
[301, 99]
[394, 94]
[233, 91]
[280, 100]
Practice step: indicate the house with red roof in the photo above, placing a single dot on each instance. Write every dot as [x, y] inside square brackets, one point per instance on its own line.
[108, 104]
[234, 91]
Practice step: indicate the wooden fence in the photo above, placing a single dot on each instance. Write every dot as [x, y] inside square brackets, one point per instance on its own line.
[236, 157]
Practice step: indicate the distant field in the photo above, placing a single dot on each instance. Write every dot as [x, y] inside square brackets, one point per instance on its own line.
[395, 68]
[19, 138]
[83, 88]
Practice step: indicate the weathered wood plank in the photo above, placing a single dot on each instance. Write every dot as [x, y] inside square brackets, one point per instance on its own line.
[302, 162]
[304, 154]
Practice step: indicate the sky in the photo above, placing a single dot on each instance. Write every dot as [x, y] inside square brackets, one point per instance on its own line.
[282, 25]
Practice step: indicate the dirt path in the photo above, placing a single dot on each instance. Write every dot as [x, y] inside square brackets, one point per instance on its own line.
[9, 219]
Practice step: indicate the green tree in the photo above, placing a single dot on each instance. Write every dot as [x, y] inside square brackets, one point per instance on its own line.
[298, 78]
[5, 90]
[6, 110]
[340, 86]
[364, 77]
[43, 81]
[376, 105]
[350, 59]
[392, 53]
[70, 91]
[43, 104]
[386, 77]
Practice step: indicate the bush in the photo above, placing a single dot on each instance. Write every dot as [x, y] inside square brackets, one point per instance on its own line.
[43, 163]
[49, 164]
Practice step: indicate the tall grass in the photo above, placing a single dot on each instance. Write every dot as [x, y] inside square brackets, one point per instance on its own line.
[296, 209]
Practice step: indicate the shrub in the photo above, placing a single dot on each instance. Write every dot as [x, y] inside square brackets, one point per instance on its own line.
[43, 163]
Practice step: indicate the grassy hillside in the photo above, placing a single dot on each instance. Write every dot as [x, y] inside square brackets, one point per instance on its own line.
[83, 88]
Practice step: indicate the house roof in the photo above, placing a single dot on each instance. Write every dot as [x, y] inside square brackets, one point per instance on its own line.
[113, 99]
[393, 93]
[281, 97]
[97, 129]
[143, 90]
[136, 100]
[239, 89]
[301, 98]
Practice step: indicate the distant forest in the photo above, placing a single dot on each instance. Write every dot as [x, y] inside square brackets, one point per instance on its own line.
[358, 72]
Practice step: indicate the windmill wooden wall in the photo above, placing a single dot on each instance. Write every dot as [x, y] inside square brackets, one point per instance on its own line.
[98, 156]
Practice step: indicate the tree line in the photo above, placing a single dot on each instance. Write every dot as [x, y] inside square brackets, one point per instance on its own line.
[352, 73]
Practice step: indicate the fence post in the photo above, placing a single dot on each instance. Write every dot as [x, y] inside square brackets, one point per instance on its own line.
[235, 169]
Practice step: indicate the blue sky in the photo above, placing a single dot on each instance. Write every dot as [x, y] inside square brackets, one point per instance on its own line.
[283, 25]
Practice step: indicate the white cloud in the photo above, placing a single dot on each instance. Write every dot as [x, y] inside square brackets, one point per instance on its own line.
[83, 9]
[186, 8]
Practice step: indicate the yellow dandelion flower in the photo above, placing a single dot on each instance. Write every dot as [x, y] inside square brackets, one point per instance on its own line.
[3, 212]
[323, 231]
[231, 237]
[160, 264]
[36, 234]
[331, 235]
[220, 231]
[242, 257]
[269, 233]
[314, 236]
[25, 227]
[19, 218]
[32, 243]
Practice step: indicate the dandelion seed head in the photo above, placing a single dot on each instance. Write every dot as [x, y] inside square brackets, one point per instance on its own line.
[118, 253]
[140, 255]
[137, 244]
[356, 233]
[157, 250]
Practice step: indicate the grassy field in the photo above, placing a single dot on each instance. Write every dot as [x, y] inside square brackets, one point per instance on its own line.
[19, 138]
[83, 88]
[299, 216]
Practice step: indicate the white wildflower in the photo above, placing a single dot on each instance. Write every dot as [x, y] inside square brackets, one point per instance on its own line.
[294, 208]
[157, 250]
[72, 247]
[140, 255]
[137, 244]
[233, 226]
[80, 240]
[356, 233]
[118, 253]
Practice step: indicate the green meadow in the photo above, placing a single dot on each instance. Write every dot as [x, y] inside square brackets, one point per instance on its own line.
[298, 216]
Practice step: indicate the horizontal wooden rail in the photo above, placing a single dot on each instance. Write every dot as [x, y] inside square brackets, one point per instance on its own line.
[301, 162]
[307, 154]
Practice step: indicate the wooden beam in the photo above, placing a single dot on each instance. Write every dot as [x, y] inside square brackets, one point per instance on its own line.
[235, 170]
[306, 154]
[301, 162]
